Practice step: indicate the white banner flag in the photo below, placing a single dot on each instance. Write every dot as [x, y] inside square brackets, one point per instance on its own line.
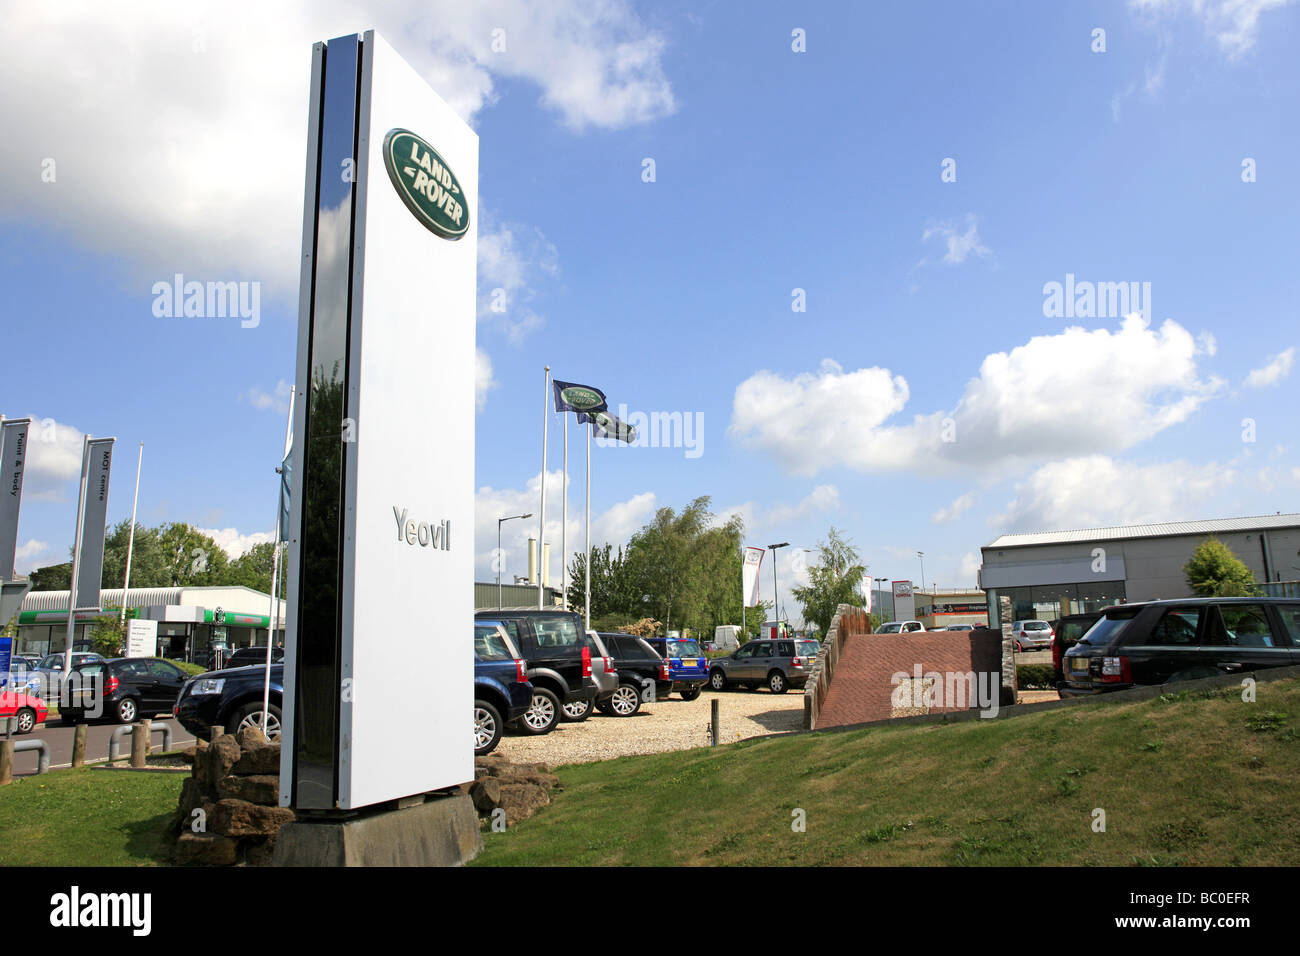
[750, 575]
[868, 590]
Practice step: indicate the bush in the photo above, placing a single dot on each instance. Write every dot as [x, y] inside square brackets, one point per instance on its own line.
[192, 669]
[1035, 676]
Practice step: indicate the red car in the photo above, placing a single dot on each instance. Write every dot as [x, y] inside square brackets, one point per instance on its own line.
[29, 710]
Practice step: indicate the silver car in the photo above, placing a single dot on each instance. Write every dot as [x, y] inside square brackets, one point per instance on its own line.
[1031, 635]
[780, 664]
[603, 672]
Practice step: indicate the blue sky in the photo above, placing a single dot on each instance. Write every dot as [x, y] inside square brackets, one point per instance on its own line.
[922, 401]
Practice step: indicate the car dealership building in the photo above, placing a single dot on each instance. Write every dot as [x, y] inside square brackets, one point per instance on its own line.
[1051, 573]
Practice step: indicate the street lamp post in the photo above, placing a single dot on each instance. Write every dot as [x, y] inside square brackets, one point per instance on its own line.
[500, 521]
[921, 555]
[776, 594]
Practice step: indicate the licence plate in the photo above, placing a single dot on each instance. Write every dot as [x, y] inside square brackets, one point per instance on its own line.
[1079, 665]
[690, 661]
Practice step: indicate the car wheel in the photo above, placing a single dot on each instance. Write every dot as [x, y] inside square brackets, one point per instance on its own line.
[127, 710]
[576, 711]
[626, 701]
[717, 679]
[691, 692]
[487, 728]
[541, 716]
[777, 683]
[250, 715]
[26, 720]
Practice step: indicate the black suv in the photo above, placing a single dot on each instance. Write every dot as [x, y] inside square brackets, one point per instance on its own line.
[642, 674]
[1161, 642]
[231, 699]
[243, 656]
[554, 643]
[131, 688]
[1066, 632]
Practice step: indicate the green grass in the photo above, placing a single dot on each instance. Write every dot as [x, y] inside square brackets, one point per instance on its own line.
[87, 817]
[1194, 778]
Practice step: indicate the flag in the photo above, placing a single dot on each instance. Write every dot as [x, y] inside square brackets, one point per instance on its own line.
[605, 425]
[750, 575]
[570, 397]
[285, 478]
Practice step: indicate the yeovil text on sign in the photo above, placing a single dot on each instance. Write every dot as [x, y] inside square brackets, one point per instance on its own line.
[426, 534]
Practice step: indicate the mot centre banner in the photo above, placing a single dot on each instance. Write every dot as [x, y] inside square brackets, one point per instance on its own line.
[95, 469]
[13, 456]
[749, 575]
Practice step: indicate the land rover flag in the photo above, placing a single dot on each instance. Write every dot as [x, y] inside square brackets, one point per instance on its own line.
[13, 453]
[570, 397]
[750, 576]
[605, 425]
[94, 518]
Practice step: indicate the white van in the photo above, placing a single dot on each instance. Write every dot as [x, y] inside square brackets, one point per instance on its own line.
[726, 637]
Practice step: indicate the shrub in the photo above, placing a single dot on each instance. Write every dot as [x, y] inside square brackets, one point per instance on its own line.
[1035, 676]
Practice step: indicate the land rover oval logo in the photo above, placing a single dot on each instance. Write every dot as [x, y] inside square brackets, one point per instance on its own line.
[426, 184]
[583, 399]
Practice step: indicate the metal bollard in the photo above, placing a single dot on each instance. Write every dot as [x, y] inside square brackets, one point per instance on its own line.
[716, 723]
[42, 749]
[115, 741]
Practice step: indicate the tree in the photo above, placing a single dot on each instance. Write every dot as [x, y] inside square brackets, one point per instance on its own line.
[1214, 571]
[253, 568]
[833, 581]
[54, 577]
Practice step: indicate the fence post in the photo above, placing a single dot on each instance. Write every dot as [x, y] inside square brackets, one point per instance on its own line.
[6, 761]
[79, 745]
[140, 744]
[716, 723]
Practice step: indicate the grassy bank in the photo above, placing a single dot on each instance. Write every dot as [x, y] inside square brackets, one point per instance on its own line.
[87, 817]
[1197, 778]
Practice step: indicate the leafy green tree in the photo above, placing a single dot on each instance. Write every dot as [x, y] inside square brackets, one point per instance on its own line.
[253, 568]
[1214, 571]
[54, 577]
[833, 581]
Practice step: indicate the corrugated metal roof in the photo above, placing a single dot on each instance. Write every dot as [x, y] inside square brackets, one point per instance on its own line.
[108, 597]
[1211, 526]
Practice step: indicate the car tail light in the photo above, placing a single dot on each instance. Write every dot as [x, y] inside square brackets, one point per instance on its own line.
[521, 670]
[1115, 670]
[1056, 655]
[664, 672]
[609, 666]
[111, 684]
[586, 662]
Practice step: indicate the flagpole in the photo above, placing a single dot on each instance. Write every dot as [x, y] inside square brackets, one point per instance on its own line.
[564, 522]
[130, 541]
[541, 523]
[586, 563]
[273, 616]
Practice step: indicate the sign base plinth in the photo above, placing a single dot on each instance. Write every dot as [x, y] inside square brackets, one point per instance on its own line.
[441, 831]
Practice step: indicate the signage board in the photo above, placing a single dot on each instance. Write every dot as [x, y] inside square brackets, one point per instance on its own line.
[6, 659]
[381, 509]
[141, 638]
[13, 458]
[96, 468]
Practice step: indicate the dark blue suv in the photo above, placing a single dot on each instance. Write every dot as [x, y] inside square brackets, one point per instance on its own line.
[688, 668]
[502, 693]
[231, 699]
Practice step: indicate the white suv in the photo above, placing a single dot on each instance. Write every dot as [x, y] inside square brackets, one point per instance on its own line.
[901, 627]
[1031, 635]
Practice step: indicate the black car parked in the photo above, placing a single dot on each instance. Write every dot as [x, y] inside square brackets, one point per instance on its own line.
[1161, 642]
[554, 643]
[131, 688]
[1066, 632]
[642, 674]
[231, 699]
[243, 656]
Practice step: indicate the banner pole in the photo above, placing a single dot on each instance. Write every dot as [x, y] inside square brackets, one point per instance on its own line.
[586, 563]
[564, 522]
[541, 522]
[76, 555]
[130, 541]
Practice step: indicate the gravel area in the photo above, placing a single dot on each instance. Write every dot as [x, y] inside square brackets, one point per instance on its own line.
[672, 724]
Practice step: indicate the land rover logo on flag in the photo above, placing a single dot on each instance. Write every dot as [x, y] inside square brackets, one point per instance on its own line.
[583, 399]
[426, 184]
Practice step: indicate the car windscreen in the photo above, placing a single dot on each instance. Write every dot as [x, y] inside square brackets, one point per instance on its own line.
[1108, 627]
[808, 648]
[889, 629]
[490, 644]
[558, 632]
[1037, 626]
[684, 649]
[93, 669]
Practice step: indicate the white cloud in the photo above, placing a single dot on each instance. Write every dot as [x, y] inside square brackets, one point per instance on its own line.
[53, 461]
[1278, 368]
[613, 525]
[512, 261]
[276, 401]
[1234, 24]
[235, 543]
[484, 380]
[821, 498]
[27, 553]
[959, 244]
[960, 505]
[1099, 491]
[174, 126]
[1073, 392]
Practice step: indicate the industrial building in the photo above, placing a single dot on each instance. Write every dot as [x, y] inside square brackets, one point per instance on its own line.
[1050, 573]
